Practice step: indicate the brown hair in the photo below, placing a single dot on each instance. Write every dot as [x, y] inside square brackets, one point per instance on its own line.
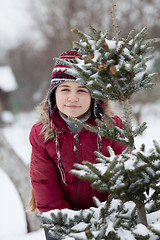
[32, 205]
[44, 119]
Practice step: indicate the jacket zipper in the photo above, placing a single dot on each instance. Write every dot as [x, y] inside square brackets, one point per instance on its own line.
[77, 148]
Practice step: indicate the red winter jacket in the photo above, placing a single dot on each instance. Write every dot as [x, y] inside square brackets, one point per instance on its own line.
[49, 190]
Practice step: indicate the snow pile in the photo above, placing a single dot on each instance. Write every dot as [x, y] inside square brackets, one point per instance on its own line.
[10, 207]
[12, 219]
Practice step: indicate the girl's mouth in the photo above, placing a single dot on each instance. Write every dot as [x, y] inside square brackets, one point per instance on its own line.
[72, 106]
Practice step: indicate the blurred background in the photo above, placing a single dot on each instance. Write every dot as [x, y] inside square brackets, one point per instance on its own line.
[32, 32]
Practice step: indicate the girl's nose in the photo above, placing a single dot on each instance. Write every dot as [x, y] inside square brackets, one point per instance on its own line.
[72, 98]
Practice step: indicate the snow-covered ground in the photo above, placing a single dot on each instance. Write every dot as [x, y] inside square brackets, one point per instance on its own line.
[19, 131]
[12, 220]
[150, 114]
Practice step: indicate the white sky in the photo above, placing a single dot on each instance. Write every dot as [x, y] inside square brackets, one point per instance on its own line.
[14, 22]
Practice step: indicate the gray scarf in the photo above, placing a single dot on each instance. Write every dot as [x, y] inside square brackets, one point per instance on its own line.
[74, 127]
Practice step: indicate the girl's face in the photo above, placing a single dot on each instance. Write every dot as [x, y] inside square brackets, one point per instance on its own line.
[72, 99]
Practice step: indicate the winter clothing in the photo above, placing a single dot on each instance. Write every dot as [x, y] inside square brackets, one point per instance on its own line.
[73, 127]
[54, 186]
[57, 144]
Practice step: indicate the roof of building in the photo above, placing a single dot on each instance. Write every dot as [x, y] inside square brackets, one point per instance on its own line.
[8, 81]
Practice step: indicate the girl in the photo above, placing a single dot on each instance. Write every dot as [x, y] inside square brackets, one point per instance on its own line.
[58, 143]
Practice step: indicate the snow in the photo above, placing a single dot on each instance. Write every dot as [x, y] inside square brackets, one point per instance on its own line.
[129, 164]
[8, 210]
[141, 229]
[12, 220]
[153, 217]
[111, 44]
[7, 79]
[7, 116]
[19, 131]
[150, 113]
[37, 235]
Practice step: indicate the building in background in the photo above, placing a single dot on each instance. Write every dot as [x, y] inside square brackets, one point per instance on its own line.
[8, 84]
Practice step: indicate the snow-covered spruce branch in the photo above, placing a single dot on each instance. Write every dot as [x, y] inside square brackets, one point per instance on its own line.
[129, 177]
[111, 131]
[79, 224]
[112, 219]
[128, 58]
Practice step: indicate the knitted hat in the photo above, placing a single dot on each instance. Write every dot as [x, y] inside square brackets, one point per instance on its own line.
[59, 75]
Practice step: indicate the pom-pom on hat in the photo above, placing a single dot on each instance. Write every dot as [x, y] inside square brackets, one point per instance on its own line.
[59, 74]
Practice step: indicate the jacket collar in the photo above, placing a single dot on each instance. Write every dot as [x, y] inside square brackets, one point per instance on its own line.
[61, 124]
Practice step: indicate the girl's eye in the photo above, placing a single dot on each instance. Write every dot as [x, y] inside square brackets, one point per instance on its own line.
[83, 90]
[65, 90]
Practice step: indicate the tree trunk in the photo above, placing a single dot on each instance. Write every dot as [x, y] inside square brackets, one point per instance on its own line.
[141, 213]
[18, 172]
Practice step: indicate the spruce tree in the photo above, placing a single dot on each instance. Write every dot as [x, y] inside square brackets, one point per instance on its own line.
[111, 70]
